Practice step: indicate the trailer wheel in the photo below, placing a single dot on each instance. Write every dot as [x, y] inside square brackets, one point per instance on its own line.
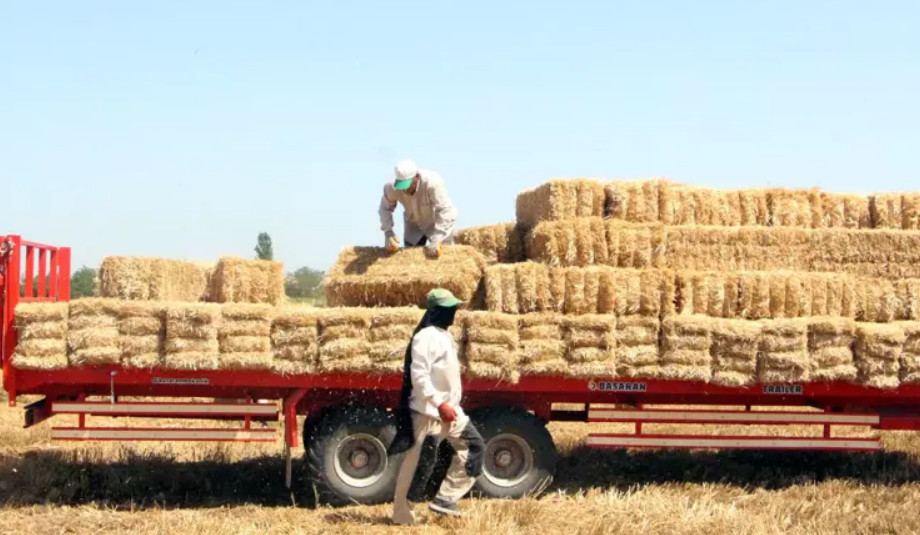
[347, 456]
[520, 456]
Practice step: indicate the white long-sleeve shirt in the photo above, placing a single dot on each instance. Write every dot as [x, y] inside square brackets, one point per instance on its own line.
[428, 213]
[435, 372]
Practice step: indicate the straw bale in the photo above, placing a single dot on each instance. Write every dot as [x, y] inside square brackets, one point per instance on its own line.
[910, 354]
[879, 342]
[497, 354]
[886, 210]
[293, 317]
[789, 375]
[500, 374]
[754, 295]
[575, 299]
[509, 284]
[337, 332]
[386, 317]
[192, 360]
[135, 346]
[560, 199]
[798, 295]
[755, 210]
[590, 338]
[908, 297]
[307, 353]
[879, 301]
[95, 356]
[30, 313]
[841, 210]
[734, 351]
[245, 328]
[154, 279]
[843, 372]
[144, 360]
[501, 243]
[92, 322]
[141, 309]
[542, 343]
[883, 382]
[41, 329]
[829, 332]
[292, 367]
[784, 335]
[869, 368]
[347, 359]
[92, 338]
[191, 330]
[343, 349]
[246, 311]
[389, 350]
[680, 372]
[94, 307]
[184, 345]
[245, 344]
[237, 280]
[544, 332]
[557, 288]
[140, 326]
[635, 245]
[830, 357]
[702, 293]
[57, 361]
[637, 331]
[199, 314]
[387, 333]
[533, 288]
[41, 347]
[795, 208]
[635, 200]
[778, 287]
[639, 372]
[685, 348]
[688, 205]
[910, 211]
[486, 335]
[732, 379]
[298, 336]
[261, 360]
[371, 277]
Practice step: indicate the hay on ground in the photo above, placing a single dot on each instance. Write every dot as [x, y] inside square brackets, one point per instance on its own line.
[560, 199]
[154, 279]
[497, 243]
[371, 277]
[237, 280]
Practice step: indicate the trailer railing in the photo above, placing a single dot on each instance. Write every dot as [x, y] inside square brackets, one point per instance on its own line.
[29, 272]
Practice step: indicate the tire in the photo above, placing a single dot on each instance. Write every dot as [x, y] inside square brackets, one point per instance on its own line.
[346, 458]
[520, 456]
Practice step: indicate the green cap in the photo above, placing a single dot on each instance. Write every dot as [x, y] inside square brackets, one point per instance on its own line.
[402, 185]
[439, 297]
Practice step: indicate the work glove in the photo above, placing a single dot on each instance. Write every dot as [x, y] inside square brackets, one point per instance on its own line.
[433, 249]
[391, 242]
[448, 414]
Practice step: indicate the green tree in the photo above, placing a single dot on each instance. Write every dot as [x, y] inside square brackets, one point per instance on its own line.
[264, 247]
[304, 283]
[83, 282]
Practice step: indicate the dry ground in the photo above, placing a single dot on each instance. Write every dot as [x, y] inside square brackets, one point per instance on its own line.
[237, 489]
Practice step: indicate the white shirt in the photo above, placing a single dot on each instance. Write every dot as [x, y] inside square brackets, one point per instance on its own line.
[435, 372]
[429, 213]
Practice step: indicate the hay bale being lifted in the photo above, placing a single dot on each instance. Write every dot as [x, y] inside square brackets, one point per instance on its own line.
[371, 277]
[877, 354]
[191, 336]
[41, 329]
[830, 344]
[637, 346]
[142, 333]
[542, 346]
[154, 279]
[591, 345]
[497, 243]
[492, 345]
[734, 351]
[560, 199]
[236, 280]
[685, 344]
[784, 351]
[244, 336]
[92, 332]
[294, 337]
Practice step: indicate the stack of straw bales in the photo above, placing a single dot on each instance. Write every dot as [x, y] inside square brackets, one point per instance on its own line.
[637, 346]
[755, 207]
[634, 200]
[142, 332]
[191, 336]
[795, 208]
[492, 345]
[841, 210]
[390, 331]
[371, 277]
[236, 280]
[591, 345]
[570, 242]
[685, 348]
[886, 211]
[710, 293]
[784, 354]
[687, 205]
[244, 336]
[154, 279]
[542, 346]
[42, 332]
[734, 351]
[910, 354]
[877, 353]
[294, 338]
[521, 288]
[344, 344]
[497, 243]
[910, 211]
[830, 344]
[635, 246]
[560, 199]
[92, 332]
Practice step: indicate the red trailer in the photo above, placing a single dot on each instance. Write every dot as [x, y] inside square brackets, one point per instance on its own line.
[349, 421]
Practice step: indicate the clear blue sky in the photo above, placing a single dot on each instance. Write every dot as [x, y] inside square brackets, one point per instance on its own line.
[182, 129]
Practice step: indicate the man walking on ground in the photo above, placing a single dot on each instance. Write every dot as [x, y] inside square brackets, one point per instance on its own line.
[429, 215]
[430, 406]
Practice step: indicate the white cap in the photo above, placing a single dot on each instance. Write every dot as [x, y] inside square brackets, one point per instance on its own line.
[406, 170]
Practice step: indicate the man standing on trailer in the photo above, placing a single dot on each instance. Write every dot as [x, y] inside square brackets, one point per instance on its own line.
[429, 215]
[431, 382]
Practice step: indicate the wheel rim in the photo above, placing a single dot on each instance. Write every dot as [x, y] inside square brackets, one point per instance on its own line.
[508, 460]
[360, 460]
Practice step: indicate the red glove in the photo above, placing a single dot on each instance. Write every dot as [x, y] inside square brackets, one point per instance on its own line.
[448, 414]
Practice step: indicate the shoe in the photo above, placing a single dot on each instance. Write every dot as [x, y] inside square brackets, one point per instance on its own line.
[444, 507]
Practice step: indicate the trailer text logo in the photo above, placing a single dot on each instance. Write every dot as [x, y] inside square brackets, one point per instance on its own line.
[608, 386]
[782, 390]
[175, 381]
